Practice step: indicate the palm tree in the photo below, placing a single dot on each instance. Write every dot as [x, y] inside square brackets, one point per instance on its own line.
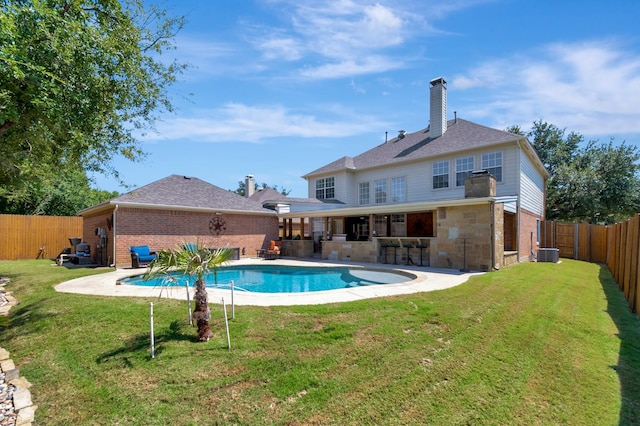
[194, 260]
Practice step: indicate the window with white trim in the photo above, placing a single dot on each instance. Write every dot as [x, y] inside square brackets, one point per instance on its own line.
[380, 226]
[398, 225]
[492, 163]
[398, 190]
[464, 169]
[381, 191]
[326, 188]
[363, 193]
[440, 174]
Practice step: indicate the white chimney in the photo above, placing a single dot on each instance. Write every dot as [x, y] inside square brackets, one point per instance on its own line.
[438, 107]
[249, 186]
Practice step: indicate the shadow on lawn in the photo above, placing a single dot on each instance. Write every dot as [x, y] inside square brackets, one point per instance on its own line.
[628, 367]
[142, 344]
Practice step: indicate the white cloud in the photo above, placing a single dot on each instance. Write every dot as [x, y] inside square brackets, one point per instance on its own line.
[341, 38]
[592, 88]
[284, 48]
[244, 123]
[372, 64]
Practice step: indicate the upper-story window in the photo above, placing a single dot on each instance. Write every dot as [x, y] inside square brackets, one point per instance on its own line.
[492, 163]
[381, 191]
[326, 188]
[363, 193]
[440, 174]
[398, 190]
[464, 169]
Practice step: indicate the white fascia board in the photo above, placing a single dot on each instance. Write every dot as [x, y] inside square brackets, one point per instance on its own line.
[398, 208]
[267, 212]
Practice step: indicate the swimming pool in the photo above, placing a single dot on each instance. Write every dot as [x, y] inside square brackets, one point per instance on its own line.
[286, 279]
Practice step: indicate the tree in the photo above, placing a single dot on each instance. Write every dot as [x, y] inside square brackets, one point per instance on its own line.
[62, 195]
[80, 82]
[196, 261]
[598, 183]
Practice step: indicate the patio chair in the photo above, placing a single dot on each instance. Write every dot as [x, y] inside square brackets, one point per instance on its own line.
[273, 251]
[141, 256]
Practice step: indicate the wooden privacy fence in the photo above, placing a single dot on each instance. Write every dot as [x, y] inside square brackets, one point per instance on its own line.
[581, 241]
[32, 237]
[617, 246]
[624, 256]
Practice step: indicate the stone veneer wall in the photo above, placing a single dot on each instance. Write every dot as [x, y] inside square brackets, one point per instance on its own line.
[469, 229]
[297, 248]
[355, 251]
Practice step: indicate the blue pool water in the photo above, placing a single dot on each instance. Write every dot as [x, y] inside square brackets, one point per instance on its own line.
[285, 279]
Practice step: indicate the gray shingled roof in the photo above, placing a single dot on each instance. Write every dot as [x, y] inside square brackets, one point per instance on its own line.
[270, 194]
[189, 192]
[461, 135]
[267, 194]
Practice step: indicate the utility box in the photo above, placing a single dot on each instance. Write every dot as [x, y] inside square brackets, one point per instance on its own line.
[548, 255]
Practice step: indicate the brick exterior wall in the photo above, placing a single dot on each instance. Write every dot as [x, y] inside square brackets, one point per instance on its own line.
[528, 234]
[101, 256]
[163, 229]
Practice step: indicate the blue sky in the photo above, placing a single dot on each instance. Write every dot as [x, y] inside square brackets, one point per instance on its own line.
[279, 88]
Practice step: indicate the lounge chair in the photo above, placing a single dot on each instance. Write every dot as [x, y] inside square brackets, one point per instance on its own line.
[141, 256]
[273, 251]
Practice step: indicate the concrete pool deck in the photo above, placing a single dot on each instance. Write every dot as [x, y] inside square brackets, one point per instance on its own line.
[427, 279]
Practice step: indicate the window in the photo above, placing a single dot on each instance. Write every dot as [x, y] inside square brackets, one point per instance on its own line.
[398, 225]
[380, 226]
[464, 169]
[363, 193]
[440, 174]
[381, 191]
[325, 188]
[492, 163]
[398, 190]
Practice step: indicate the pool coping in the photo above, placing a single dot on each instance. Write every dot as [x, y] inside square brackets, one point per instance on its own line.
[427, 279]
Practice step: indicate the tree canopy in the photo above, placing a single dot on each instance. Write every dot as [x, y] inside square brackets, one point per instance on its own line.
[80, 82]
[593, 182]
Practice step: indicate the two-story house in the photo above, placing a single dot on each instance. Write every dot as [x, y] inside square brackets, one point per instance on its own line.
[456, 194]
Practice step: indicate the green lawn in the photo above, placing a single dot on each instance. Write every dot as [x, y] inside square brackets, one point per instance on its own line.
[536, 343]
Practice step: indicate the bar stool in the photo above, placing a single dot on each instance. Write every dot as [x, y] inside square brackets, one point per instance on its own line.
[408, 247]
[421, 247]
[395, 248]
[385, 246]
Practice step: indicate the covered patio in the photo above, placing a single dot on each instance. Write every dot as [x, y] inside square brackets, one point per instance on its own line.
[457, 234]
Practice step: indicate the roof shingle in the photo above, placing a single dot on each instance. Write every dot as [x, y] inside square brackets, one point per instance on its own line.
[461, 135]
[189, 192]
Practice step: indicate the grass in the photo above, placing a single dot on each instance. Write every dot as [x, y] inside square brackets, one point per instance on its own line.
[536, 343]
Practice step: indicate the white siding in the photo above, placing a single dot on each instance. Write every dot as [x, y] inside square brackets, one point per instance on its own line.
[531, 186]
[419, 178]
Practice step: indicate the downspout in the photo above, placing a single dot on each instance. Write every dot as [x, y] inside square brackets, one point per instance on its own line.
[114, 264]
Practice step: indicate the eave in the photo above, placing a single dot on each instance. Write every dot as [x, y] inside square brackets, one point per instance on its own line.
[399, 208]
